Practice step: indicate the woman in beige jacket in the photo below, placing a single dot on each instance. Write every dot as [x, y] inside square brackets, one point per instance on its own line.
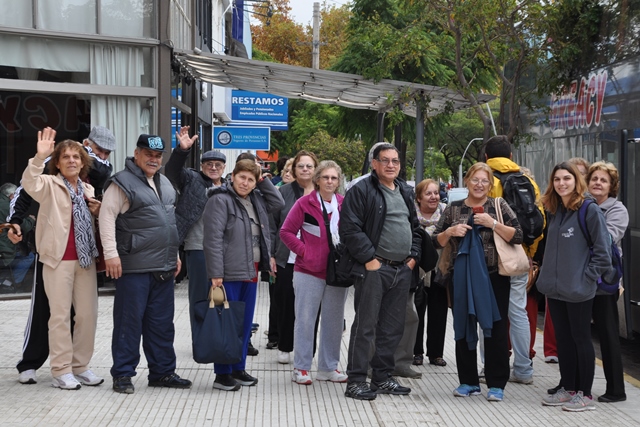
[66, 245]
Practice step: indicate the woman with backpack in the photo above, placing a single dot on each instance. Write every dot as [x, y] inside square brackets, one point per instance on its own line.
[568, 278]
[603, 184]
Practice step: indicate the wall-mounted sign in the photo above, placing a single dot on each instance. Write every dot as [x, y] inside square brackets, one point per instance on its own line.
[259, 109]
[242, 138]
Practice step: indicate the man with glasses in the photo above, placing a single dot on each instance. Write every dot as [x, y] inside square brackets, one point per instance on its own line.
[379, 227]
[193, 187]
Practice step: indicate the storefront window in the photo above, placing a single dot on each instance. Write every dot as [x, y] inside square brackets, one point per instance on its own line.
[16, 13]
[70, 16]
[128, 18]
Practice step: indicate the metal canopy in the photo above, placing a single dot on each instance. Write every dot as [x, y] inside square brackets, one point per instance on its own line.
[325, 87]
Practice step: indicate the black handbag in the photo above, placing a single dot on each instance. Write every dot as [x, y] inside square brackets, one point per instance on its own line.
[219, 331]
[429, 256]
[339, 262]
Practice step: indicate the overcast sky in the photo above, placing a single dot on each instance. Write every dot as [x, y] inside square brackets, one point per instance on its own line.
[302, 10]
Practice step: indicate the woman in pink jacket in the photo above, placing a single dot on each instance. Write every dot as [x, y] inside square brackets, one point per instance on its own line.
[305, 233]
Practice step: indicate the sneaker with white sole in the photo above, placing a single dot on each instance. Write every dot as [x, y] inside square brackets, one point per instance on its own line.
[300, 376]
[66, 381]
[89, 378]
[28, 377]
[466, 390]
[515, 379]
[551, 359]
[559, 398]
[579, 403]
[333, 376]
[283, 357]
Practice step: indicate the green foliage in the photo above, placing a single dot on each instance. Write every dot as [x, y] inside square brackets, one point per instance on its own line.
[348, 153]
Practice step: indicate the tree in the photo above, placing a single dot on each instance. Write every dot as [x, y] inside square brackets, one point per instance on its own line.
[348, 153]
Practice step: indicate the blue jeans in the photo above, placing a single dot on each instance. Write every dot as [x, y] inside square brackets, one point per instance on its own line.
[240, 291]
[519, 331]
[143, 307]
[20, 266]
[380, 303]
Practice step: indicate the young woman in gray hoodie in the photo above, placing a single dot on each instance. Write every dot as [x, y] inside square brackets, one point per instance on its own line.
[568, 278]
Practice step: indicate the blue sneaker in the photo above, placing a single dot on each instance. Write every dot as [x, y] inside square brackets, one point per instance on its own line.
[465, 390]
[495, 394]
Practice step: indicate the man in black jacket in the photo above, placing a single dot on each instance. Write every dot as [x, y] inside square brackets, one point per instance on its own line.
[379, 226]
[35, 350]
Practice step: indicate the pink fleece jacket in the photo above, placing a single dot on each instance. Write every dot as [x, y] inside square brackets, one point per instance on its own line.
[312, 248]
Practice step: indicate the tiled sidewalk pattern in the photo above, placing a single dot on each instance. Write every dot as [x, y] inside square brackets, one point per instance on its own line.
[275, 401]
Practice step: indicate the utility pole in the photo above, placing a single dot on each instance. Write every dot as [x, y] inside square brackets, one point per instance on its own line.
[315, 55]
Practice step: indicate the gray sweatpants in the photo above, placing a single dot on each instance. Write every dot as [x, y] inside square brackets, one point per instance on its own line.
[313, 294]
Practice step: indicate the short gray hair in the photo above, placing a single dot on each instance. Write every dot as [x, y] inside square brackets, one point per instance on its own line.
[323, 166]
[8, 189]
[373, 148]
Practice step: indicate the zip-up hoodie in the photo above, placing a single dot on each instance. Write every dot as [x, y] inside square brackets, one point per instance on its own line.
[504, 165]
[312, 248]
[569, 273]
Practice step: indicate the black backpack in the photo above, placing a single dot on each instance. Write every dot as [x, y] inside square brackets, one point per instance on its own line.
[520, 195]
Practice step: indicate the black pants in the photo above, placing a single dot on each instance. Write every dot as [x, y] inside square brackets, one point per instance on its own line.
[605, 317]
[496, 348]
[577, 359]
[35, 349]
[273, 312]
[286, 311]
[434, 304]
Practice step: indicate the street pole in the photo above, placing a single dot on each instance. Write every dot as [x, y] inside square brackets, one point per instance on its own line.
[315, 54]
[460, 185]
[419, 143]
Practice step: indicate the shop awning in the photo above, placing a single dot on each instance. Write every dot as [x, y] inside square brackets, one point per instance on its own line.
[322, 86]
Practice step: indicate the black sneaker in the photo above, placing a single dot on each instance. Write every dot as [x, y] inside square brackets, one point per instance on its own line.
[226, 382]
[244, 379]
[359, 391]
[123, 385]
[554, 390]
[171, 381]
[254, 327]
[389, 386]
[251, 350]
[272, 345]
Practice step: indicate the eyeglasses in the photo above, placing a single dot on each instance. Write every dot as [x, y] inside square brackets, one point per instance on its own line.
[213, 165]
[476, 181]
[307, 166]
[385, 162]
[329, 178]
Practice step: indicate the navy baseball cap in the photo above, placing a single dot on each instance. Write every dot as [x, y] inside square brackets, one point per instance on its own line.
[152, 142]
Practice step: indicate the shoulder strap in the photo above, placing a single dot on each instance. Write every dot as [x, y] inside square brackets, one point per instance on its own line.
[326, 224]
[297, 191]
[496, 203]
[582, 220]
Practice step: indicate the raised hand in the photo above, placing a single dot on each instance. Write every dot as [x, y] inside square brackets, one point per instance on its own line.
[183, 138]
[46, 141]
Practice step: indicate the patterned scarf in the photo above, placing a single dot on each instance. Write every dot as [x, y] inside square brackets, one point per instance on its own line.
[430, 224]
[332, 209]
[85, 240]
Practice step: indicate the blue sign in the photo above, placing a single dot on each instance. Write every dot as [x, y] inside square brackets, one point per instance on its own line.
[242, 138]
[259, 109]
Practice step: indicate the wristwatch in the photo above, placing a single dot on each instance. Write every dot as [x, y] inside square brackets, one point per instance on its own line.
[494, 225]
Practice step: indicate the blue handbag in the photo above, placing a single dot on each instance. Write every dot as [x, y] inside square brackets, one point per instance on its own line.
[219, 330]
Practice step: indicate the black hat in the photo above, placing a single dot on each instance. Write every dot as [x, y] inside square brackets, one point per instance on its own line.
[152, 142]
[213, 155]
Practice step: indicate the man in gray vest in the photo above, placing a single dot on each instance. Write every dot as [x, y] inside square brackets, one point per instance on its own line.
[140, 242]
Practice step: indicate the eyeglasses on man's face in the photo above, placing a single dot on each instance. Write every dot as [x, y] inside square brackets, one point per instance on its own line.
[483, 182]
[307, 166]
[213, 165]
[386, 162]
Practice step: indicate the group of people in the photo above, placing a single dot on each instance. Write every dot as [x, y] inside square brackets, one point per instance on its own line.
[232, 230]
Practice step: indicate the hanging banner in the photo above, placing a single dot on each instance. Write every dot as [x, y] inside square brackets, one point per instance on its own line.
[242, 138]
[259, 109]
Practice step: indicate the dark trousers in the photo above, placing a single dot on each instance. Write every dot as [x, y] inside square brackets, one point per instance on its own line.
[576, 356]
[435, 305]
[35, 349]
[605, 317]
[198, 283]
[285, 298]
[143, 307]
[496, 347]
[380, 306]
[273, 312]
[240, 291]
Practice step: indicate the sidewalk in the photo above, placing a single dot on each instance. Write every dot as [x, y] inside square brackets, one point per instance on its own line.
[275, 401]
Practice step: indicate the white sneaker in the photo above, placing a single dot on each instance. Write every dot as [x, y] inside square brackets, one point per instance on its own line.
[333, 376]
[283, 357]
[28, 377]
[301, 376]
[89, 378]
[66, 381]
[551, 359]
